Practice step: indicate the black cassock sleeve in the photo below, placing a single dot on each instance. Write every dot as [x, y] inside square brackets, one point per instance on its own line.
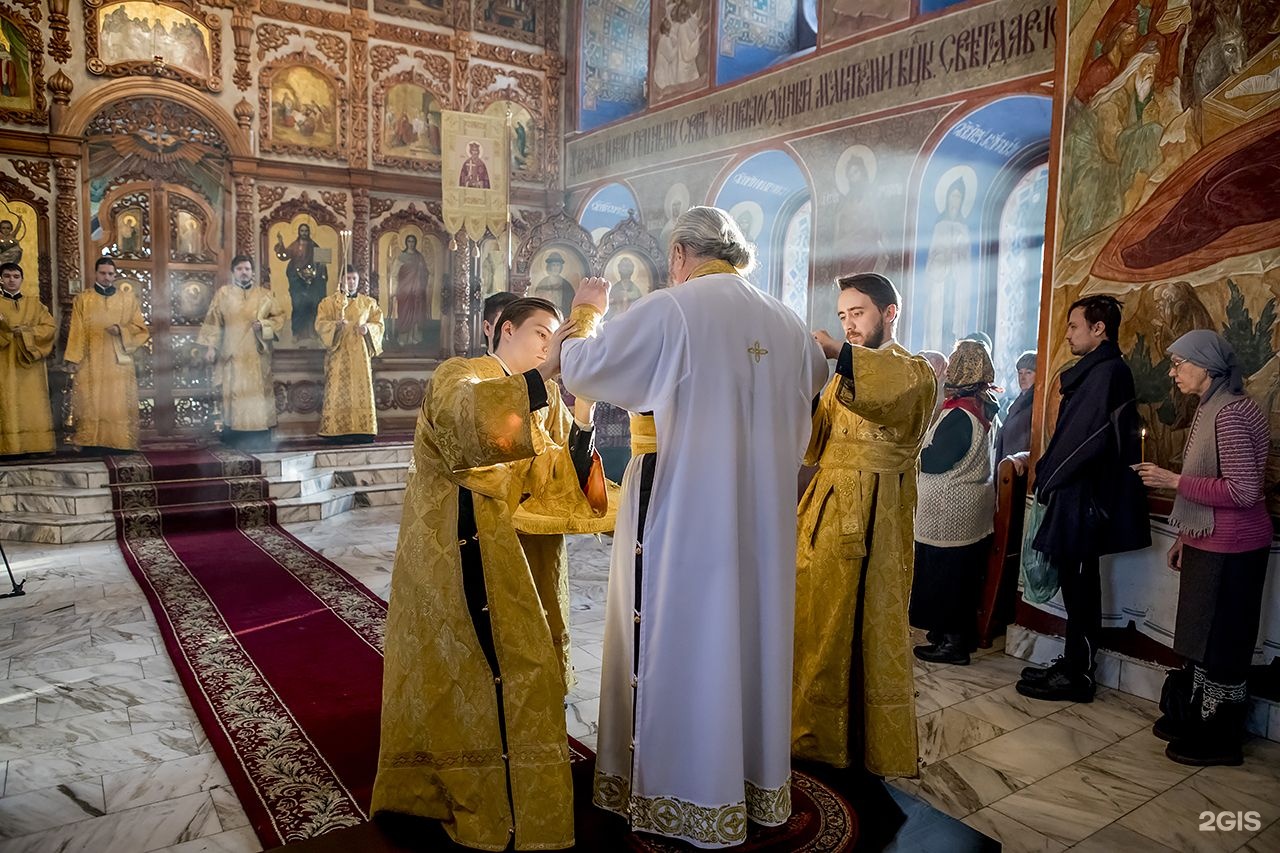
[951, 441]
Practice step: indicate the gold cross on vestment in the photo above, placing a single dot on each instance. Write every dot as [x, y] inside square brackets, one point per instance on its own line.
[756, 351]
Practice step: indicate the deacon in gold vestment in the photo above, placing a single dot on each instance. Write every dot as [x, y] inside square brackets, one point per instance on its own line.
[350, 328]
[473, 729]
[107, 328]
[26, 340]
[853, 698]
[238, 329]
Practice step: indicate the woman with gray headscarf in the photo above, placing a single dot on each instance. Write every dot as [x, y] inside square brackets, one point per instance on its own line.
[1224, 538]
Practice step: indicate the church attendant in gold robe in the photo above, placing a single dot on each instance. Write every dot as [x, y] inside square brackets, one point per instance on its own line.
[107, 328]
[242, 322]
[350, 327]
[26, 340]
[853, 698]
[473, 728]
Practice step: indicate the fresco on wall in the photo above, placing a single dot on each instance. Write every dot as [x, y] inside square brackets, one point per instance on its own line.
[681, 49]
[861, 175]
[961, 194]
[300, 255]
[493, 265]
[614, 61]
[15, 68]
[606, 208]
[410, 262]
[753, 35]
[845, 18]
[554, 275]
[1166, 194]
[631, 276]
[762, 194]
[139, 32]
[303, 108]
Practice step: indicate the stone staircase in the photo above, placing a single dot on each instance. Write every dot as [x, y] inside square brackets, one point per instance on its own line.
[69, 502]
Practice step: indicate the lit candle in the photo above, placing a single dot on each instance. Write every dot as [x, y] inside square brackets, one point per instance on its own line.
[1144, 444]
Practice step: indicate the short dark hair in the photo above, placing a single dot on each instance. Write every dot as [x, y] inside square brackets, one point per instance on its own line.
[351, 269]
[104, 261]
[240, 259]
[494, 303]
[10, 265]
[519, 311]
[879, 288]
[1101, 308]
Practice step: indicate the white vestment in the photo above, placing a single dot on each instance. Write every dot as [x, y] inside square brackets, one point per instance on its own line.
[729, 374]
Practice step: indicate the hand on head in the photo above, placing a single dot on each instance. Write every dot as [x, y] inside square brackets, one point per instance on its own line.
[593, 291]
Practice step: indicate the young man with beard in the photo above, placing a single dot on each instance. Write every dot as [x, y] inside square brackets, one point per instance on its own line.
[853, 700]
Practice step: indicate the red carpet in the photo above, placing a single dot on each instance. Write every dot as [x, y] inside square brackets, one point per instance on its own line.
[280, 652]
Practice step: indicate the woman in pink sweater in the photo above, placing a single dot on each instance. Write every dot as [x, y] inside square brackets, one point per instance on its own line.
[1224, 538]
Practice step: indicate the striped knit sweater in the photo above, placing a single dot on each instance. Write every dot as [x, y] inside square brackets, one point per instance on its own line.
[1240, 518]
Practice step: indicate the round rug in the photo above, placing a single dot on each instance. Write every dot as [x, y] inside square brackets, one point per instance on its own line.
[821, 821]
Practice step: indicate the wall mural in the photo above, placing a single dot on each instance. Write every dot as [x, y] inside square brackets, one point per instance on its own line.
[606, 208]
[762, 194]
[681, 54]
[614, 61]
[753, 34]
[1174, 109]
[845, 18]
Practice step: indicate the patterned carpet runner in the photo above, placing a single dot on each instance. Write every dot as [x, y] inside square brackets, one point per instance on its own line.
[280, 652]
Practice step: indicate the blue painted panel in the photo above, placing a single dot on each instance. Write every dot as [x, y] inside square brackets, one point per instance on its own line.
[606, 208]
[614, 60]
[757, 194]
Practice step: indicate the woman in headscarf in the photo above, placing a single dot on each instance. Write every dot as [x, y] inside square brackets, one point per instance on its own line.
[955, 508]
[1014, 435]
[1224, 537]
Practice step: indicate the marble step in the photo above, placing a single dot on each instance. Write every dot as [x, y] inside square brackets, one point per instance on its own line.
[372, 475]
[311, 482]
[73, 475]
[336, 501]
[351, 457]
[56, 529]
[55, 500]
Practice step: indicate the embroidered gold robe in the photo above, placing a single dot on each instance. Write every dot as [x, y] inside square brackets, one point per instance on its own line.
[854, 554]
[104, 397]
[243, 368]
[442, 736]
[348, 363]
[26, 340]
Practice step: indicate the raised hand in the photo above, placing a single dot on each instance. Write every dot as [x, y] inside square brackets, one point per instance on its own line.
[593, 291]
[830, 346]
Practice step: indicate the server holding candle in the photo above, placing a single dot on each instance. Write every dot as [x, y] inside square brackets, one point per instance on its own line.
[1224, 536]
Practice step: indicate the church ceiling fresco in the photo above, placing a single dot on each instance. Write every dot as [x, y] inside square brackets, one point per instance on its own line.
[614, 61]
[1166, 191]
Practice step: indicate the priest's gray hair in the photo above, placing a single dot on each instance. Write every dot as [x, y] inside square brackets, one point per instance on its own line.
[709, 232]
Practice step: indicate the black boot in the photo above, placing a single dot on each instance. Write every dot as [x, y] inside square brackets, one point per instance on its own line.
[1060, 685]
[1180, 713]
[1217, 742]
[1037, 674]
[951, 650]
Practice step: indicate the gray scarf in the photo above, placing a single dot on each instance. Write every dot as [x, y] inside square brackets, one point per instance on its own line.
[1211, 351]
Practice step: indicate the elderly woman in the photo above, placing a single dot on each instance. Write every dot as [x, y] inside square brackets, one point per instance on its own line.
[1224, 536]
[955, 508]
[1015, 433]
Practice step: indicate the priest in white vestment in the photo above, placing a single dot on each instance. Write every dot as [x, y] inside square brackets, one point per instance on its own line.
[695, 708]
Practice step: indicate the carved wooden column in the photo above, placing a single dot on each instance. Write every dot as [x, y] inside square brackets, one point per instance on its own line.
[59, 28]
[360, 231]
[464, 291]
[358, 153]
[555, 69]
[67, 237]
[244, 217]
[242, 33]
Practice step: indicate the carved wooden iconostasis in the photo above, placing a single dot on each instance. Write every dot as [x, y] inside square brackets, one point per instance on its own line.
[175, 134]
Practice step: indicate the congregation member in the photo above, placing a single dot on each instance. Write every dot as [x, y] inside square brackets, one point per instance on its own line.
[351, 327]
[956, 509]
[494, 304]
[938, 362]
[27, 334]
[694, 708]
[471, 669]
[1220, 554]
[106, 331]
[853, 698]
[240, 327]
[1094, 503]
[1014, 435]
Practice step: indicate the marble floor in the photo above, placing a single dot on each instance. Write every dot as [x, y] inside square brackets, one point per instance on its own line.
[100, 750]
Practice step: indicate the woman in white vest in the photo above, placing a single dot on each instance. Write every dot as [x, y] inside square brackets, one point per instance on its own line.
[955, 508]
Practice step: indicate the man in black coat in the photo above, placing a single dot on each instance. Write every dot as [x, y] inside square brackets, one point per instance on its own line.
[1095, 502]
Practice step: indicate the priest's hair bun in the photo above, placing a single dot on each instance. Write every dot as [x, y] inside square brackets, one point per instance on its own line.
[710, 232]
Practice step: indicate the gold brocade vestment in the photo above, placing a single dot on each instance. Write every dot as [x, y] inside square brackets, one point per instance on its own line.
[26, 340]
[855, 553]
[104, 397]
[243, 368]
[442, 737]
[348, 363]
